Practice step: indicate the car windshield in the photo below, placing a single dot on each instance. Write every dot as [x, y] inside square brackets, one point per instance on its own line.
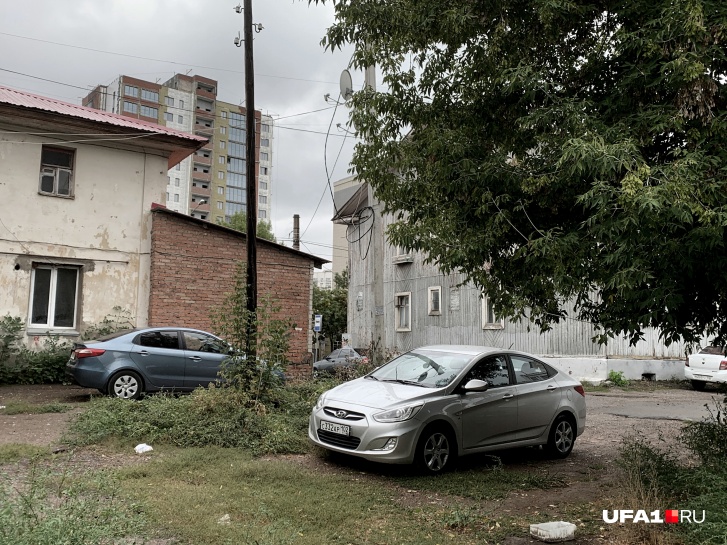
[425, 368]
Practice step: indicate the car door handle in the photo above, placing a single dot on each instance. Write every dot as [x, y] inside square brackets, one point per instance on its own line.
[195, 358]
[551, 388]
[144, 353]
[507, 396]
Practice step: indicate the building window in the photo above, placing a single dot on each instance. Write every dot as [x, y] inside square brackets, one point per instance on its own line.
[176, 197]
[490, 320]
[265, 142]
[147, 111]
[131, 91]
[169, 101]
[264, 171]
[263, 185]
[53, 297]
[176, 182]
[151, 96]
[180, 119]
[56, 171]
[220, 190]
[263, 199]
[219, 204]
[222, 144]
[181, 104]
[131, 107]
[402, 304]
[169, 116]
[263, 214]
[221, 159]
[179, 166]
[223, 130]
[434, 298]
[265, 128]
[224, 114]
[220, 175]
[263, 156]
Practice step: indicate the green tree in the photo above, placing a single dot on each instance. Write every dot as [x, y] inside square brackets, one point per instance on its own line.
[238, 222]
[570, 157]
[333, 306]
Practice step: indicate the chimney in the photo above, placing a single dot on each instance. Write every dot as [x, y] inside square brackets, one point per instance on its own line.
[296, 232]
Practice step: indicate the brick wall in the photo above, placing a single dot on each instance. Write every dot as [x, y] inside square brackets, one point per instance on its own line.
[193, 267]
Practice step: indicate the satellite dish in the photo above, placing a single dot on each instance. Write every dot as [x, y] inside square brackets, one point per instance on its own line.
[346, 85]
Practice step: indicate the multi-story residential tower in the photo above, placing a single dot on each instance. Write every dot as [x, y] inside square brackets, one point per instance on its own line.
[211, 184]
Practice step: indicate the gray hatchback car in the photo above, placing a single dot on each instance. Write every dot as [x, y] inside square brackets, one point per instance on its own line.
[437, 402]
[128, 363]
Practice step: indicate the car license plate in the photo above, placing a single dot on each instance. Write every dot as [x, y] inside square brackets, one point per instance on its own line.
[340, 429]
[706, 377]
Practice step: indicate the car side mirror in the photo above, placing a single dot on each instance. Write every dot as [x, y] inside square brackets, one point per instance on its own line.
[476, 385]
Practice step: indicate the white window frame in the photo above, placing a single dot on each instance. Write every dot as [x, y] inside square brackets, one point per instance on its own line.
[48, 169]
[430, 307]
[50, 325]
[495, 323]
[402, 300]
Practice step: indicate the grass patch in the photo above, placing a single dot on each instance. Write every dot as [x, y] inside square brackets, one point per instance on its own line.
[638, 386]
[15, 452]
[22, 407]
[46, 507]
[273, 501]
[490, 483]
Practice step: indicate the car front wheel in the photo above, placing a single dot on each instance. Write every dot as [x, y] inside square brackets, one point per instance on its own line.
[436, 450]
[125, 385]
[562, 437]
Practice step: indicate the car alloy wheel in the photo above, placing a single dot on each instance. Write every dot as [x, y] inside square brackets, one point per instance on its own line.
[562, 437]
[125, 385]
[435, 451]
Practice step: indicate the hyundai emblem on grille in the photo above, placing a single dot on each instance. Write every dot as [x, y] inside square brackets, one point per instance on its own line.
[341, 414]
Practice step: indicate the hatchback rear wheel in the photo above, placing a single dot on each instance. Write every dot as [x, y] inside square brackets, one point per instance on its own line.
[562, 437]
[126, 385]
[698, 385]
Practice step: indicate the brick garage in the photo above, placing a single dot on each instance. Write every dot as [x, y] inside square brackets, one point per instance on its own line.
[193, 267]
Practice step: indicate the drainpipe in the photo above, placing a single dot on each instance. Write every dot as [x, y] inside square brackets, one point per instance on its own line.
[296, 232]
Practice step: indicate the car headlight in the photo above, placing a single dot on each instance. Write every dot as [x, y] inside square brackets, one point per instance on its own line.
[320, 402]
[398, 415]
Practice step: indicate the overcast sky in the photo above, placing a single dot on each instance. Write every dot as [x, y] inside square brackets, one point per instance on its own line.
[88, 42]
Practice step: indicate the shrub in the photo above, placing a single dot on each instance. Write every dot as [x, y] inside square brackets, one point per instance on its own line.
[617, 378]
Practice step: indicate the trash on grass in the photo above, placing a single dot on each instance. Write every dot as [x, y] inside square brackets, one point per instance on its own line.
[142, 448]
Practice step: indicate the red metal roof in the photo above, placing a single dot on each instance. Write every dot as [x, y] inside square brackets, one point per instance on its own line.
[37, 102]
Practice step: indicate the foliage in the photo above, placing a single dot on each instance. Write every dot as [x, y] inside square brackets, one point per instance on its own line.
[617, 378]
[654, 478]
[43, 365]
[557, 153]
[224, 417]
[10, 328]
[238, 222]
[259, 376]
[333, 306]
[47, 509]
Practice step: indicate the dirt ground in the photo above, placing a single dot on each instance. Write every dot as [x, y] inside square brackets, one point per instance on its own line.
[590, 473]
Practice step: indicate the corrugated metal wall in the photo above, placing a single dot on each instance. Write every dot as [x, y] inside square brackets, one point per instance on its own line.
[461, 320]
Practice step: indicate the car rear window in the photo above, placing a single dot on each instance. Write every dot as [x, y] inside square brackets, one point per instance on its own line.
[715, 350]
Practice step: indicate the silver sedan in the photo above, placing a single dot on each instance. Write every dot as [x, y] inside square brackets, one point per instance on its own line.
[437, 402]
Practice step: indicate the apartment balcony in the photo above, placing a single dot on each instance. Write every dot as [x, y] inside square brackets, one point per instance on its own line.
[199, 191]
[198, 175]
[201, 130]
[202, 160]
[204, 113]
[197, 207]
[205, 93]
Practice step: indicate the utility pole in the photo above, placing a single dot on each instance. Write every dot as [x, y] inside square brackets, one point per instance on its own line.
[251, 185]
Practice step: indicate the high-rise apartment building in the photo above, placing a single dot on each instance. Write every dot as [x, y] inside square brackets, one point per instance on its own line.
[211, 184]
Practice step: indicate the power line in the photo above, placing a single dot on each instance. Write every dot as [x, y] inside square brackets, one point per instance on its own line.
[158, 60]
[44, 79]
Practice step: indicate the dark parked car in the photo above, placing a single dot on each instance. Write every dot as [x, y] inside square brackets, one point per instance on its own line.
[129, 363]
[342, 357]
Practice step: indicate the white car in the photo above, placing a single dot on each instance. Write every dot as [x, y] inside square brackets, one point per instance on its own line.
[707, 365]
[437, 402]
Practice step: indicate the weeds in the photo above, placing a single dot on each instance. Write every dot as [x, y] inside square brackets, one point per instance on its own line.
[617, 378]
